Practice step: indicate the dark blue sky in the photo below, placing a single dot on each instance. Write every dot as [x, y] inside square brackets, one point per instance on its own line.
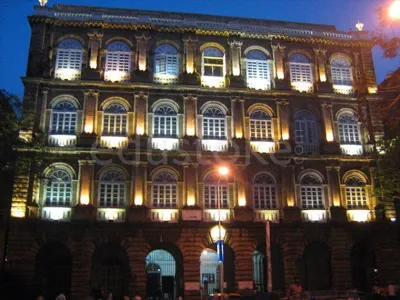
[15, 30]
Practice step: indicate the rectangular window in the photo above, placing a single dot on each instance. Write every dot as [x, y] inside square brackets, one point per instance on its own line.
[115, 124]
[264, 197]
[261, 129]
[164, 196]
[58, 194]
[348, 133]
[63, 123]
[300, 72]
[210, 196]
[258, 75]
[69, 59]
[356, 197]
[167, 64]
[213, 66]
[341, 76]
[112, 194]
[214, 128]
[311, 197]
[165, 126]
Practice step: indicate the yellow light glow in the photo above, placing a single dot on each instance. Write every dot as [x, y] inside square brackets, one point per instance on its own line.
[302, 86]
[213, 81]
[372, 90]
[358, 215]
[190, 130]
[290, 202]
[329, 135]
[139, 130]
[116, 76]
[18, 210]
[242, 202]
[190, 200]
[68, 74]
[280, 74]
[239, 134]
[285, 136]
[93, 64]
[236, 70]
[138, 199]
[217, 233]
[84, 199]
[88, 128]
[394, 10]
[189, 68]
[322, 77]
[142, 64]
[223, 171]
[114, 141]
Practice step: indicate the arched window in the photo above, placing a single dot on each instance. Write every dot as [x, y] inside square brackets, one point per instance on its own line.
[257, 70]
[68, 60]
[348, 129]
[213, 62]
[118, 62]
[300, 69]
[341, 72]
[164, 191]
[260, 125]
[115, 120]
[59, 189]
[112, 189]
[306, 135]
[166, 60]
[214, 123]
[63, 118]
[356, 196]
[264, 192]
[212, 184]
[165, 121]
[311, 192]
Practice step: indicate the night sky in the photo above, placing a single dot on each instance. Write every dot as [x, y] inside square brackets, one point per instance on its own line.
[344, 14]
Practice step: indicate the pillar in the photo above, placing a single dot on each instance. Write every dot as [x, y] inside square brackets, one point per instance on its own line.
[142, 43]
[90, 105]
[190, 109]
[340, 258]
[241, 180]
[141, 110]
[21, 188]
[94, 47]
[356, 67]
[189, 52]
[235, 47]
[326, 108]
[372, 175]
[334, 185]
[368, 69]
[190, 180]
[238, 117]
[277, 51]
[43, 110]
[283, 117]
[140, 178]
[86, 182]
[320, 65]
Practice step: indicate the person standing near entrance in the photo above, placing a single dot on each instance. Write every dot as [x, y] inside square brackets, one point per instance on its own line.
[137, 297]
[295, 289]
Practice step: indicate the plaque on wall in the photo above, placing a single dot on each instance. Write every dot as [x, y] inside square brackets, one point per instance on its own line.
[191, 215]
[245, 285]
[192, 286]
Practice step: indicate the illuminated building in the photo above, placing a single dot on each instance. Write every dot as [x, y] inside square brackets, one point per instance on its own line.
[138, 106]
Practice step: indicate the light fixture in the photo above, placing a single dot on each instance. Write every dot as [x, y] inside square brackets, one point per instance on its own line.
[223, 171]
[394, 10]
[359, 26]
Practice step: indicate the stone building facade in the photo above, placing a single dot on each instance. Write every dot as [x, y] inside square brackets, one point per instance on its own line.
[139, 108]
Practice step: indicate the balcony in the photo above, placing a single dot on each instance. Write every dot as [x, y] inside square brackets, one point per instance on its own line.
[56, 213]
[165, 79]
[314, 215]
[62, 140]
[215, 145]
[165, 143]
[266, 215]
[262, 146]
[212, 215]
[213, 81]
[258, 84]
[165, 215]
[302, 87]
[113, 141]
[343, 89]
[359, 215]
[117, 76]
[306, 149]
[111, 214]
[67, 74]
[351, 149]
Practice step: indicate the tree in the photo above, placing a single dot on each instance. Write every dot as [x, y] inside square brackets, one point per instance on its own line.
[389, 43]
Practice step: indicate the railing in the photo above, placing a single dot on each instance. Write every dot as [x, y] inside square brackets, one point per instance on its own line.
[213, 81]
[111, 214]
[212, 215]
[262, 146]
[56, 213]
[266, 215]
[62, 140]
[113, 141]
[359, 215]
[314, 215]
[351, 149]
[165, 215]
[214, 145]
[165, 143]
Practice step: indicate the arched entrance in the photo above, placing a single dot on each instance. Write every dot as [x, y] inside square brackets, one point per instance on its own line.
[161, 275]
[363, 266]
[110, 271]
[260, 269]
[210, 268]
[316, 267]
[53, 271]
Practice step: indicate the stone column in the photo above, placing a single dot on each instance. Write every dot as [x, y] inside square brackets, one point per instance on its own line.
[372, 174]
[283, 118]
[326, 108]
[368, 69]
[277, 51]
[140, 178]
[20, 197]
[189, 51]
[356, 67]
[340, 258]
[321, 75]
[94, 50]
[238, 117]
[291, 209]
[43, 110]
[235, 47]
[190, 181]
[142, 53]
[141, 113]
[190, 109]
[90, 105]
[337, 209]
[86, 182]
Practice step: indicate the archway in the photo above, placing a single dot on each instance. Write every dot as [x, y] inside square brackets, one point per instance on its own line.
[363, 265]
[260, 275]
[53, 271]
[161, 275]
[110, 271]
[316, 267]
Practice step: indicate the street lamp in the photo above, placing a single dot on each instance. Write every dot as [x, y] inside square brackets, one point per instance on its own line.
[394, 10]
[222, 171]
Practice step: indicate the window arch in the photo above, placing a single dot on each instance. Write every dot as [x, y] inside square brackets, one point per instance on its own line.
[59, 189]
[164, 191]
[311, 192]
[63, 118]
[212, 184]
[300, 69]
[118, 62]
[166, 60]
[257, 70]
[115, 120]
[112, 189]
[341, 71]
[214, 123]
[306, 134]
[165, 121]
[356, 195]
[348, 128]
[260, 125]
[213, 62]
[68, 60]
[264, 192]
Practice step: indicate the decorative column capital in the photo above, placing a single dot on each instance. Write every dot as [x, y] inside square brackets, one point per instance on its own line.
[282, 102]
[234, 42]
[143, 36]
[91, 93]
[189, 39]
[189, 97]
[326, 104]
[320, 51]
[278, 47]
[45, 90]
[84, 162]
[142, 95]
[237, 99]
[95, 35]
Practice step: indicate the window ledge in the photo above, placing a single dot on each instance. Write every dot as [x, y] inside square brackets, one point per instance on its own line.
[114, 141]
[263, 215]
[215, 145]
[212, 215]
[351, 149]
[213, 81]
[56, 213]
[314, 215]
[111, 214]
[343, 89]
[262, 146]
[165, 215]
[165, 143]
[62, 140]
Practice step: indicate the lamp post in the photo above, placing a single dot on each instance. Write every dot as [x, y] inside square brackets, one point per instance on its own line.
[394, 10]
[223, 171]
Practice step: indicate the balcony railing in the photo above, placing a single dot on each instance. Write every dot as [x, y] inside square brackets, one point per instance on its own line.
[113, 141]
[56, 213]
[266, 215]
[262, 146]
[165, 215]
[165, 143]
[212, 215]
[215, 145]
[359, 215]
[111, 214]
[213, 81]
[62, 140]
[351, 149]
[314, 215]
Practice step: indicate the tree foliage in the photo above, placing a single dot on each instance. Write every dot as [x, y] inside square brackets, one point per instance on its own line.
[385, 36]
